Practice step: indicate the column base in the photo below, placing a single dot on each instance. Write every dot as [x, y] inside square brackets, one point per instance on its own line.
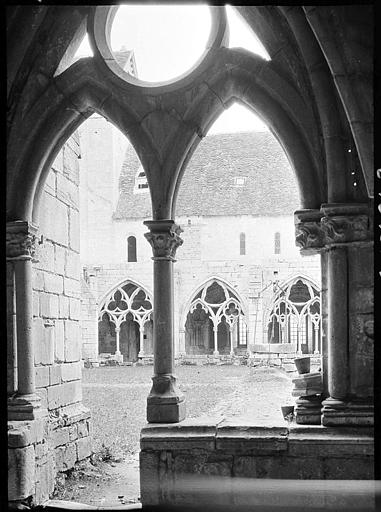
[163, 411]
[308, 410]
[347, 413]
[216, 353]
[25, 407]
[164, 403]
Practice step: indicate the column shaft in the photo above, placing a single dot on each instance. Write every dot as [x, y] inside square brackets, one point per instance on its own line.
[163, 321]
[24, 323]
[337, 323]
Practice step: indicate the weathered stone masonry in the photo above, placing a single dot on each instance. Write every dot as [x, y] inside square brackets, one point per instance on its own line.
[60, 437]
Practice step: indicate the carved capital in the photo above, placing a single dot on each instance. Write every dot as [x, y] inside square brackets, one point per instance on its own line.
[164, 237]
[309, 235]
[21, 240]
[346, 223]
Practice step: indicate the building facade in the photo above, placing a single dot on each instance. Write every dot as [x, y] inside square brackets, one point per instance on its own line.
[235, 207]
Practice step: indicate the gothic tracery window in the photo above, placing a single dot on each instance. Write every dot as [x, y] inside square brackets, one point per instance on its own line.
[215, 321]
[296, 316]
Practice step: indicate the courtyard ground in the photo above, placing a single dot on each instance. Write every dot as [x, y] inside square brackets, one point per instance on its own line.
[117, 396]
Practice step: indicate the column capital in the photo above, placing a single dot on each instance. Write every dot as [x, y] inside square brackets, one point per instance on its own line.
[345, 223]
[21, 240]
[336, 223]
[164, 237]
[309, 235]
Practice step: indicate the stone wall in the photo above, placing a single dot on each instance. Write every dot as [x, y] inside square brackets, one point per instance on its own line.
[210, 248]
[204, 463]
[55, 442]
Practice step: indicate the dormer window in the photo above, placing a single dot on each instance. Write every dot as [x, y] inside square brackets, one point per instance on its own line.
[141, 183]
[240, 181]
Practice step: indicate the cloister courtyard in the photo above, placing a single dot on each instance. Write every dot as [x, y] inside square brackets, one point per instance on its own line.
[116, 396]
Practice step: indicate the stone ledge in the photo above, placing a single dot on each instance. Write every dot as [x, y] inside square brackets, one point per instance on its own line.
[24, 433]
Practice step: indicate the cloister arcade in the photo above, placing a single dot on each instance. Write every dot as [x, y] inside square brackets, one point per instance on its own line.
[125, 324]
[295, 316]
[315, 94]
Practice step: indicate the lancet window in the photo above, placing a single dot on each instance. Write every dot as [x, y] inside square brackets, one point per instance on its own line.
[296, 316]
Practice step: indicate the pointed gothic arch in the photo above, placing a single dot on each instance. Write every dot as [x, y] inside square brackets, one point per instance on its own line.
[295, 315]
[214, 319]
[125, 321]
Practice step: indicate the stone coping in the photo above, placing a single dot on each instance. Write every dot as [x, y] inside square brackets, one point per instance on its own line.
[242, 434]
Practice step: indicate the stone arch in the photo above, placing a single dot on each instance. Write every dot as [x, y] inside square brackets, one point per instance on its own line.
[200, 287]
[127, 305]
[58, 115]
[289, 314]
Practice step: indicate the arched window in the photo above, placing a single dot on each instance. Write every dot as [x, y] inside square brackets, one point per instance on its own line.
[277, 243]
[131, 248]
[295, 316]
[215, 321]
[242, 244]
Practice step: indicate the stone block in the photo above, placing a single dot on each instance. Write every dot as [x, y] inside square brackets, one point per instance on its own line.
[66, 456]
[149, 478]
[346, 469]
[73, 432]
[67, 191]
[54, 222]
[73, 265]
[36, 303]
[58, 162]
[59, 341]
[38, 280]
[42, 376]
[83, 448]
[63, 307]
[71, 371]
[71, 287]
[70, 164]
[59, 259]
[54, 375]
[48, 305]
[74, 238]
[21, 473]
[64, 394]
[53, 283]
[83, 429]
[74, 309]
[60, 436]
[44, 342]
[72, 341]
[45, 256]
[43, 394]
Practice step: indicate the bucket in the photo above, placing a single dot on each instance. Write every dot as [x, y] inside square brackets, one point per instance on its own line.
[303, 364]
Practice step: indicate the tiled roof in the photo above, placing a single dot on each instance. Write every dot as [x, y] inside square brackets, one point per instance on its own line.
[208, 185]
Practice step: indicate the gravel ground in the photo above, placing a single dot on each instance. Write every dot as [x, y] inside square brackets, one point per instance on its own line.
[117, 396]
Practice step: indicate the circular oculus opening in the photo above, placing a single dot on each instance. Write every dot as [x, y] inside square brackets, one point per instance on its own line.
[154, 45]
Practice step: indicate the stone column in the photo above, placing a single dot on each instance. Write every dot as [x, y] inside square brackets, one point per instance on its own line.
[316, 338]
[165, 404]
[182, 351]
[21, 245]
[117, 333]
[141, 341]
[345, 226]
[231, 340]
[215, 333]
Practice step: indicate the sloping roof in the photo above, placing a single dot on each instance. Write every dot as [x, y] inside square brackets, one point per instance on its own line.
[208, 185]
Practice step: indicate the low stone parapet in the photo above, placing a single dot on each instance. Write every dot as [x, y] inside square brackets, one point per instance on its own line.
[178, 460]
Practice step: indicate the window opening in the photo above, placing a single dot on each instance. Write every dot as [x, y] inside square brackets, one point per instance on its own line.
[242, 244]
[131, 249]
[277, 243]
[295, 317]
[167, 40]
